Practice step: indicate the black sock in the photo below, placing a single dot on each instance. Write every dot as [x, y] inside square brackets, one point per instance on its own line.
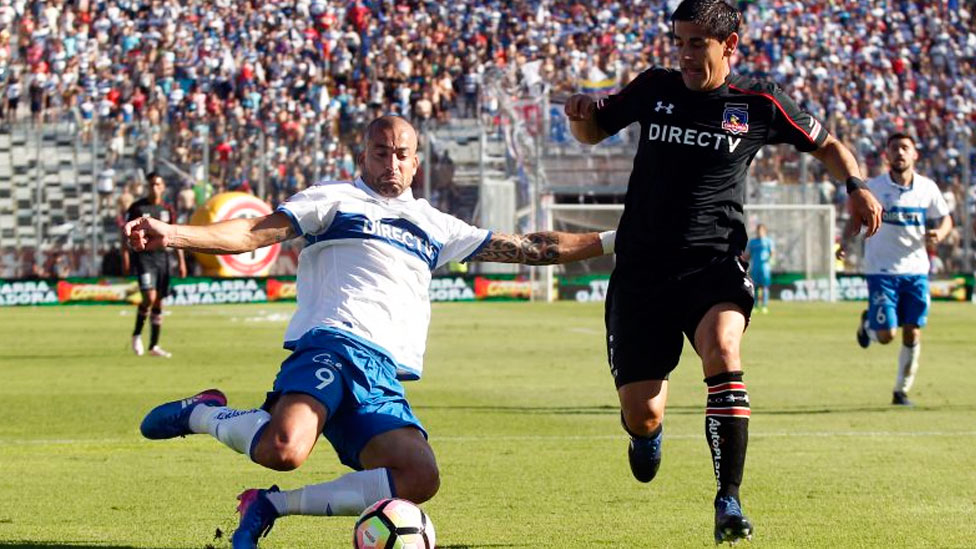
[727, 430]
[141, 315]
[154, 326]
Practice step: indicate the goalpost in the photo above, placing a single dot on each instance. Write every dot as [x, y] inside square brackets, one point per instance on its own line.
[803, 235]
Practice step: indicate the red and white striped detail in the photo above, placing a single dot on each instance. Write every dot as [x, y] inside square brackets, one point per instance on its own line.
[814, 129]
[730, 386]
[811, 135]
[734, 411]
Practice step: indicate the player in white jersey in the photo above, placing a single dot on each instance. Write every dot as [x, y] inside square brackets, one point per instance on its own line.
[896, 260]
[360, 328]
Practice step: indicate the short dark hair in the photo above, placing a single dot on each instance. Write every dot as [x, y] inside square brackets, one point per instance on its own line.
[154, 174]
[900, 135]
[717, 17]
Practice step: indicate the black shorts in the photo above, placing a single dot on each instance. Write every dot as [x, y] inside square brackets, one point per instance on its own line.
[152, 274]
[646, 319]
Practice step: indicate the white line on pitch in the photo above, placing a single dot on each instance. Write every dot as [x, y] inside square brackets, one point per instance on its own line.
[491, 438]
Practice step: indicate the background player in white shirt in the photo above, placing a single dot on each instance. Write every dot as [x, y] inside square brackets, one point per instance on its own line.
[896, 259]
[360, 327]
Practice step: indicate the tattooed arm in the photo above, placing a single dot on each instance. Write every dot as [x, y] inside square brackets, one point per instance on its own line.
[544, 248]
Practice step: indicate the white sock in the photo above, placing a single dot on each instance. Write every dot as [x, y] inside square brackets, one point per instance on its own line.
[235, 428]
[907, 367]
[347, 495]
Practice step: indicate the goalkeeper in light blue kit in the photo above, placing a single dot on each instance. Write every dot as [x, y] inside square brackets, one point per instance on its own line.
[896, 259]
[759, 254]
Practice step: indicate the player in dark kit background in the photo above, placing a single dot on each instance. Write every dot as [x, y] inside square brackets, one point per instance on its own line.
[683, 229]
[152, 268]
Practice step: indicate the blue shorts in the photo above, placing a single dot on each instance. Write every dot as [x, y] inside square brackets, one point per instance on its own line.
[761, 275]
[355, 381]
[897, 300]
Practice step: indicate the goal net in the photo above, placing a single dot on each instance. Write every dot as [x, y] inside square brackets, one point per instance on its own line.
[803, 236]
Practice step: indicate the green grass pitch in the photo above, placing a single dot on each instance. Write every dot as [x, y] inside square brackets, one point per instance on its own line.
[523, 418]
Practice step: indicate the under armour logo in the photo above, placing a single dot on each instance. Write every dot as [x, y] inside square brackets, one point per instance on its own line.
[661, 106]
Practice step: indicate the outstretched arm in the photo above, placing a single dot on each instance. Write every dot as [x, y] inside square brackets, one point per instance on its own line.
[226, 237]
[545, 248]
[840, 162]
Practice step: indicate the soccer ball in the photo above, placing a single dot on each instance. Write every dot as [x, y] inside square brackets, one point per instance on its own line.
[393, 524]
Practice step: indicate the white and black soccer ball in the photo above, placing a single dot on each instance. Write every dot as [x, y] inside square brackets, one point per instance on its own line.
[393, 524]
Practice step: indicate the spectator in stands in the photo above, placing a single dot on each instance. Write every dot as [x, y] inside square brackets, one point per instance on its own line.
[31, 266]
[13, 100]
[36, 92]
[186, 202]
[105, 185]
[58, 263]
[116, 145]
[85, 263]
[304, 75]
[9, 264]
[470, 85]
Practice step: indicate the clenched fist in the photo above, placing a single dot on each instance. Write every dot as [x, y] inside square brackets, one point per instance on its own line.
[580, 107]
[147, 233]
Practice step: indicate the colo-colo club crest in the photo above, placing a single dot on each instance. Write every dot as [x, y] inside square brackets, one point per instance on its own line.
[735, 118]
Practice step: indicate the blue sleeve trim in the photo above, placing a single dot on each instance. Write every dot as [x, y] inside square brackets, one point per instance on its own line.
[292, 219]
[478, 249]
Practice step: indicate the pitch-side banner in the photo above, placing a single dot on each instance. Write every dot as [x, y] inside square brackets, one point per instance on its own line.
[28, 292]
[786, 287]
[213, 291]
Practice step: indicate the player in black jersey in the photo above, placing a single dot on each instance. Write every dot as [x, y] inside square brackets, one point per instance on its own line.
[683, 230]
[152, 268]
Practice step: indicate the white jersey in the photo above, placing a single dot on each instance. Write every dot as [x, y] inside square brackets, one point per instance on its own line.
[366, 266]
[899, 246]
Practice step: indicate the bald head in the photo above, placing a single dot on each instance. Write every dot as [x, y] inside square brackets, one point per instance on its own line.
[396, 124]
[389, 160]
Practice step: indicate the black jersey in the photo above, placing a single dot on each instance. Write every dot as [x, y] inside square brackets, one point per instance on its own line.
[163, 212]
[686, 191]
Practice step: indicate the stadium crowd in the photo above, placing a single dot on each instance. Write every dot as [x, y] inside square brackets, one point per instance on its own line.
[277, 92]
